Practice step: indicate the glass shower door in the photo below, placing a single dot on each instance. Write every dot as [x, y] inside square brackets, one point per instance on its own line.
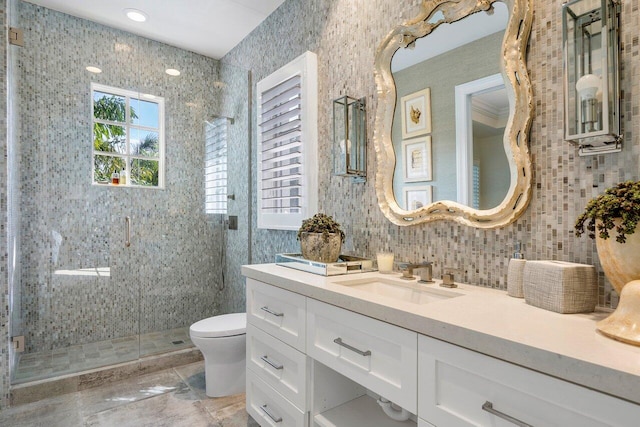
[74, 296]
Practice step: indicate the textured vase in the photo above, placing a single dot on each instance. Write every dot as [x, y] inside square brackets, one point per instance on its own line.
[621, 264]
[624, 323]
[620, 261]
[321, 248]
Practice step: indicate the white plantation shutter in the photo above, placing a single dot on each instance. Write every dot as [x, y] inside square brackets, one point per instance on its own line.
[215, 170]
[287, 145]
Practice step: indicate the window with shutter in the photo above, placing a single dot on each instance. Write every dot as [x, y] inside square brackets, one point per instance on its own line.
[287, 145]
[215, 169]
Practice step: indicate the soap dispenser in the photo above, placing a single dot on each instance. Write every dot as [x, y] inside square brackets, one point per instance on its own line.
[123, 176]
[515, 273]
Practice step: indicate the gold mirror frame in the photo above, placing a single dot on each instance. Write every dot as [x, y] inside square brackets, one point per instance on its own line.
[514, 70]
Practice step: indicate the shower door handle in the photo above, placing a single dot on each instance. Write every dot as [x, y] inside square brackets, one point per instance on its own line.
[127, 231]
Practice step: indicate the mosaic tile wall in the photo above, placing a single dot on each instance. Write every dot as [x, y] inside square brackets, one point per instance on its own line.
[4, 280]
[170, 276]
[345, 35]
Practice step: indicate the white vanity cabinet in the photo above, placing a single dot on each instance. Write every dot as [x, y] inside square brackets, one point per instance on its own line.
[462, 388]
[282, 367]
[278, 312]
[313, 364]
[374, 354]
[270, 408]
[277, 368]
[325, 380]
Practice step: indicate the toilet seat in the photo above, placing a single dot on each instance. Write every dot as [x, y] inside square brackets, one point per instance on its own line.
[225, 325]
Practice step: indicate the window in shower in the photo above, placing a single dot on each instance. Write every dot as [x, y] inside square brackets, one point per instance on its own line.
[128, 138]
[215, 168]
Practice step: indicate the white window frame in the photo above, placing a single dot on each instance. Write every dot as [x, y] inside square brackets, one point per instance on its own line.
[305, 66]
[464, 132]
[128, 95]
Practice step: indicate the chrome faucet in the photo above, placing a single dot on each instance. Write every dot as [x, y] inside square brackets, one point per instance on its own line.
[426, 273]
[447, 277]
[447, 281]
[424, 269]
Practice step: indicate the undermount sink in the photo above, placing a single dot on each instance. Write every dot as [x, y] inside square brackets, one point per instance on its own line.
[406, 292]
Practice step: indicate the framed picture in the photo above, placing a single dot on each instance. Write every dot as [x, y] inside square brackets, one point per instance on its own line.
[416, 155]
[417, 197]
[416, 114]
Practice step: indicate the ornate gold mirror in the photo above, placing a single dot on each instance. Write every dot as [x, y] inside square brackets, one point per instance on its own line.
[454, 112]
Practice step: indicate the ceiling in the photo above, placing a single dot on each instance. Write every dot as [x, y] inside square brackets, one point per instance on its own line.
[207, 27]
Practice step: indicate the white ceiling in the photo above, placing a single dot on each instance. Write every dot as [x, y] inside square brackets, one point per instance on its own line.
[207, 27]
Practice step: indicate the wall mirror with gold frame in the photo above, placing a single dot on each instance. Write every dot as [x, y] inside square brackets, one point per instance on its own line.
[454, 112]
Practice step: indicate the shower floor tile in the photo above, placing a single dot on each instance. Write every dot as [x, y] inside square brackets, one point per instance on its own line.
[77, 358]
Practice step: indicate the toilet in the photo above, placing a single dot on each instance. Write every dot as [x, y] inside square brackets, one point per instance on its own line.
[222, 341]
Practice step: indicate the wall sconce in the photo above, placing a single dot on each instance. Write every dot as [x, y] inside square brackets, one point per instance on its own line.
[591, 81]
[350, 138]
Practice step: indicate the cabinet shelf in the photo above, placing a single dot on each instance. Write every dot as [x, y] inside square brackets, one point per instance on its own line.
[362, 411]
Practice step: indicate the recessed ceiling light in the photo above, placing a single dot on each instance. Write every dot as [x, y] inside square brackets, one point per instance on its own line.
[93, 69]
[135, 15]
[172, 72]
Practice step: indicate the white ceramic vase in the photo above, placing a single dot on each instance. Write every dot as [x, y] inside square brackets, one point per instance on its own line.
[621, 265]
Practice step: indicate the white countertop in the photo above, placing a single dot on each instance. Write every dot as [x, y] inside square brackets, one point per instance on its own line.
[566, 346]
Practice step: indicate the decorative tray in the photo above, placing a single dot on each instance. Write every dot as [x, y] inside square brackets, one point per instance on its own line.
[345, 265]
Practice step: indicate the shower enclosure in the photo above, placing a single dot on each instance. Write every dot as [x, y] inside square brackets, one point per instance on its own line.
[101, 273]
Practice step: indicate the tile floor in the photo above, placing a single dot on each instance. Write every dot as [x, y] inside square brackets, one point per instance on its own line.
[173, 398]
[77, 358]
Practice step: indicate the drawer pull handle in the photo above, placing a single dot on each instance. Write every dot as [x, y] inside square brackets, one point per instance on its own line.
[355, 350]
[266, 411]
[488, 406]
[270, 363]
[265, 308]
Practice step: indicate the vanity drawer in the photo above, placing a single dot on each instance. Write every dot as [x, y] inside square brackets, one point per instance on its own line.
[377, 355]
[455, 384]
[282, 367]
[277, 312]
[269, 408]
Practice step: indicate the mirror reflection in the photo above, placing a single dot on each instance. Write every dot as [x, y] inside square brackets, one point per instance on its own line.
[452, 107]
[487, 178]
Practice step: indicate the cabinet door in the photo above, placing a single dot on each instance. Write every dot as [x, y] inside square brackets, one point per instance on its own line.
[461, 388]
[278, 312]
[279, 365]
[374, 354]
[269, 408]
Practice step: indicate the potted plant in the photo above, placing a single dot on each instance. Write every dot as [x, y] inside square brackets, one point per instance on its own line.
[620, 202]
[617, 211]
[320, 238]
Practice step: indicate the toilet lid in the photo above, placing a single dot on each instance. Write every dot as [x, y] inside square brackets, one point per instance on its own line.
[225, 325]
